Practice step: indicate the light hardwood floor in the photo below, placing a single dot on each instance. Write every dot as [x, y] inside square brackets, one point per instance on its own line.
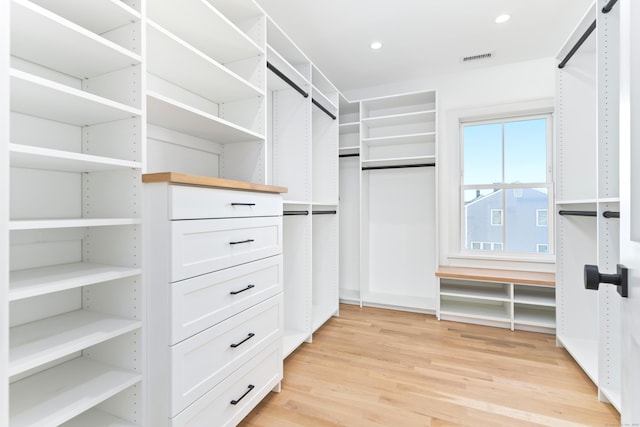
[376, 367]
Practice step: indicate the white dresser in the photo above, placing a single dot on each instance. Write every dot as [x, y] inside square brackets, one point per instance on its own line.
[215, 311]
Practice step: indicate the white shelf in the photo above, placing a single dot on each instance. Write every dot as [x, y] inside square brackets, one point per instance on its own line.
[171, 59]
[400, 161]
[285, 48]
[417, 138]
[36, 343]
[320, 314]
[584, 352]
[609, 200]
[26, 156]
[40, 224]
[613, 395]
[279, 62]
[350, 295]
[187, 19]
[479, 292]
[533, 317]
[62, 103]
[399, 119]
[576, 202]
[349, 150]
[49, 46]
[529, 295]
[97, 418]
[171, 114]
[58, 394]
[98, 16]
[44, 280]
[475, 310]
[292, 340]
[345, 128]
[324, 100]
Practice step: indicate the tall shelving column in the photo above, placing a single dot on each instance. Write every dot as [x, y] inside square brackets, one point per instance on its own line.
[398, 196]
[587, 189]
[608, 229]
[576, 190]
[4, 209]
[324, 192]
[76, 298]
[349, 155]
[289, 138]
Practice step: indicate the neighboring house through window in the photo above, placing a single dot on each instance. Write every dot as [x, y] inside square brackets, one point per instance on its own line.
[506, 184]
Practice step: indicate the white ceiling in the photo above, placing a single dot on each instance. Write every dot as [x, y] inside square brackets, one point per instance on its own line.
[421, 38]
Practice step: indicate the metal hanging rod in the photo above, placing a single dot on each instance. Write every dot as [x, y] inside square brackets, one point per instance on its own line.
[579, 43]
[320, 106]
[287, 79]
[349, 155]
[324, 212]
[290, 213]
[607, 7]
[578, 213]
[611, 214]
[421, 165]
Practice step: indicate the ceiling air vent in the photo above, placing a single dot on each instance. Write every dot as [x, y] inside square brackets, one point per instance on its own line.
[482, 56]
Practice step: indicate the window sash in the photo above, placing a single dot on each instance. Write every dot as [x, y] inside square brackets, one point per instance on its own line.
[548, 185]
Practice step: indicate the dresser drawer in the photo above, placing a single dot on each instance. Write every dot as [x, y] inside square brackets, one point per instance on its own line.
[199, 363]
[245, 388]
[203, 301]
[203, 246]
[197, 202]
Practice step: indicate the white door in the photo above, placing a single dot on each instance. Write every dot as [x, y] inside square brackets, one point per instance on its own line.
[630, 206]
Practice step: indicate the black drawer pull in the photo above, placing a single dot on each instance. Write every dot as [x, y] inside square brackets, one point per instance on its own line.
[241, 241]
[251, 335]
[242, 290]
[243, 204]
[251, 387]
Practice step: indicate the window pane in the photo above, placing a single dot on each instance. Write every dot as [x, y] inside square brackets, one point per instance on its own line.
[522, 213]
[541, 218]
[525, 151]
[478, 210]
[482, 153]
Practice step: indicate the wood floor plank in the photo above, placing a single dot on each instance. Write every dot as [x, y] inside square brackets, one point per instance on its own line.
[372, 367]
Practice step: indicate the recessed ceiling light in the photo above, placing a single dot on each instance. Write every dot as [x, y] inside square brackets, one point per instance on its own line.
[503, 18]
[376, 45]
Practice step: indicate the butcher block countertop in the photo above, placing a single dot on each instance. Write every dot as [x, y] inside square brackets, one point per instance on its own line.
[496, 275]
[207, 181]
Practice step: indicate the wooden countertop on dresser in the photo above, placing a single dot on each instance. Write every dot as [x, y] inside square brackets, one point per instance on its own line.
[208, 181]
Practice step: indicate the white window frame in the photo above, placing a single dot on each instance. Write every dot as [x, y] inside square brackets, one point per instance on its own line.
[548, 185]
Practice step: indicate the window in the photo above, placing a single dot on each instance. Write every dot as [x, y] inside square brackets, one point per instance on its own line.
[541, 217]
[506, 184]
[542, 248]
[496, 216]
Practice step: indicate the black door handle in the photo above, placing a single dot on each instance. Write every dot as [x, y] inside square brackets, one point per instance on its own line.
[593, 278]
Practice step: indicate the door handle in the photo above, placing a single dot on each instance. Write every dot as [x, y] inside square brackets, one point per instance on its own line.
[593, 278]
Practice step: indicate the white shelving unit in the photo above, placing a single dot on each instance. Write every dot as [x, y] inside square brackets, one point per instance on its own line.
[207, 116]
[349, 149]
[303, 141]
[75, 155]
[499, 298]
[397, 151]
[587, 125]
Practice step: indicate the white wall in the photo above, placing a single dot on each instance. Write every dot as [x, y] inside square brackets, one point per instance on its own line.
[472, 90]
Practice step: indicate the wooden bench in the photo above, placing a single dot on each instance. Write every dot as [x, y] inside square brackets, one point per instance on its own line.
[511, 299]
